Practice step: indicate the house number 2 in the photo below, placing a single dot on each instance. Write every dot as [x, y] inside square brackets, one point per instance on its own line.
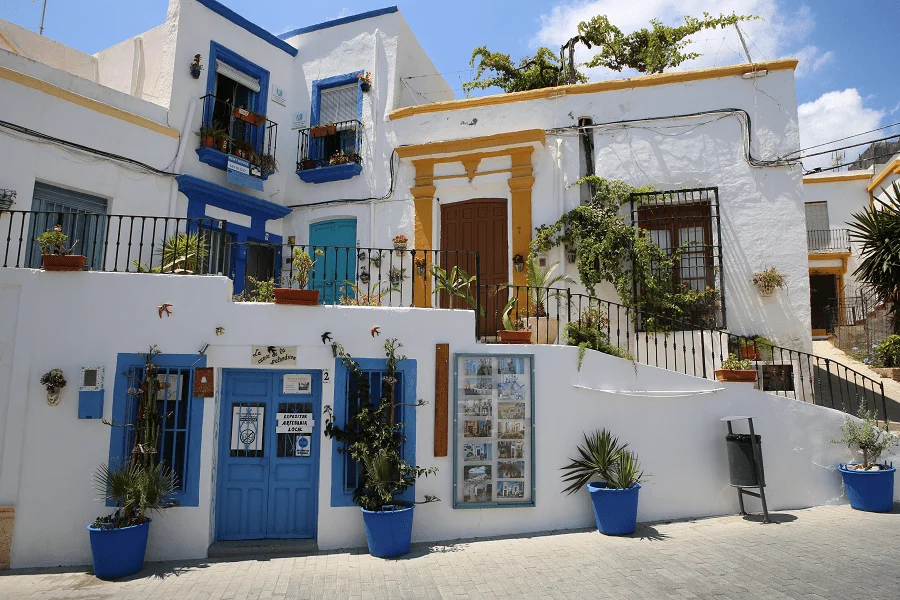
[326, 377]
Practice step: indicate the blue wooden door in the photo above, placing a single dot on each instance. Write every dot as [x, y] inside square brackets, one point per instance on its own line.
[337, 266]
[267, 481]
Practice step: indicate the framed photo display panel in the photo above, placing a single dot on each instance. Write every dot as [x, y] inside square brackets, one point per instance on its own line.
[493, 430]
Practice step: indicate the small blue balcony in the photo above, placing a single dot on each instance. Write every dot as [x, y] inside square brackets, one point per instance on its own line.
[330, 152]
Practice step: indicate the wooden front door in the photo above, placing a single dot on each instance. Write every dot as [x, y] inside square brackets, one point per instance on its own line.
[480, 225]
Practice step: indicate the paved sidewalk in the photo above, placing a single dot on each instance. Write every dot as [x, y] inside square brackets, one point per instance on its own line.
[828, 552]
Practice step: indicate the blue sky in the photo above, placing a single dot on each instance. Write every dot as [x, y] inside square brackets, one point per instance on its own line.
[846, 82]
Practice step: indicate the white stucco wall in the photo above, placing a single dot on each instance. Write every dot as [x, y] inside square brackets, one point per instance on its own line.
[30, 44]
[149, 52]
[49, 454]
[761, 208]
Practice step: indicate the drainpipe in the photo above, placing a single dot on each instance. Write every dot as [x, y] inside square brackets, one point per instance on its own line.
[373, 99]
[179, 158]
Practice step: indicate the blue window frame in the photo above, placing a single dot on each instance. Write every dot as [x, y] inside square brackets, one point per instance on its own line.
[344, 470]
[182, 425]
[347, 140]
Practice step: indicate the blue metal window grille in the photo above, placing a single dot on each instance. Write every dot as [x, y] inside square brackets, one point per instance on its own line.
[174, 402]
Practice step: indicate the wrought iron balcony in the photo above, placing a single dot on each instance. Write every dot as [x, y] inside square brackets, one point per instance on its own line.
[330, 152]
[233, 130]
[828, 240]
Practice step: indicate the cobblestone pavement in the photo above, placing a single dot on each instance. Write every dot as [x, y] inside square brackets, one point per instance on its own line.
[827, 552]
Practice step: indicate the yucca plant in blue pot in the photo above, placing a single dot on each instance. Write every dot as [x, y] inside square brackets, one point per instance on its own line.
[869, 484]
[136, 485]
[615, 496]
[374, 439]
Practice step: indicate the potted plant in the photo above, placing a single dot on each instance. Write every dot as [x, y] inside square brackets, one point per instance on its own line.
[301, 265]
[54, 381]
[374, 439]
[248, 116]
[196, 67]
[768, 280]
[241, 149]
[54, 253]
[338, 158]
[396, 276]
[400, 243]
[7, 198]
[869, 484]
[544, 328]
[365, 81]
[138, 485]
[320, 131]
[268, 164]
[514, 331]
[744, 347]
[737, 370]
[615, 496]
[207, 136]
[375, 259]
[364, 276]
[456, 283]
[420, 265]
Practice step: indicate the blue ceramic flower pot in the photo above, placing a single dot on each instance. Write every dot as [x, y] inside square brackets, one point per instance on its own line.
[389, 530]
[119, 552]
[872, 491]
[615, 510]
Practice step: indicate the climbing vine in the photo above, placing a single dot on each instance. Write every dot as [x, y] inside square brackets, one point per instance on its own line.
[610, 248]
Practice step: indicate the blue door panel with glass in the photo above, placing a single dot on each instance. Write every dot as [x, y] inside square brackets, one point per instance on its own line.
[267, 485]
[337, 238]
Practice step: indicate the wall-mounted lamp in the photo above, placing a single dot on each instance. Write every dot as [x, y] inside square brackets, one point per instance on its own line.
[7, 198]
[196, 67]
[518, 263]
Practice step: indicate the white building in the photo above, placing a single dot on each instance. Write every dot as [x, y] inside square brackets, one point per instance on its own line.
[110, 138]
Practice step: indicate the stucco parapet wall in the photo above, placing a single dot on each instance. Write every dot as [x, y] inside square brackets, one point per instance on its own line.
[90, 95]
[600, 86]
[892, 168]
[838, 177]
[530, 138]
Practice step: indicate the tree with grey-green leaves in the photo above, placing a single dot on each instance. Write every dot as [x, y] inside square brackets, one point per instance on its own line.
[647, 50]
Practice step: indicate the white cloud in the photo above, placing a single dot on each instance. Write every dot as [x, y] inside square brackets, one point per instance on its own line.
[776, 34]
[831, 116]
[811, 60]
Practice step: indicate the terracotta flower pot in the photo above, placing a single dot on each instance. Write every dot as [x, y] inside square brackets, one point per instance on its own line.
[68, 262]
[292, 296]
[749, 353]
[733, 375]
[514, 337]
[222, 145]
[209, 141]
[543, 329]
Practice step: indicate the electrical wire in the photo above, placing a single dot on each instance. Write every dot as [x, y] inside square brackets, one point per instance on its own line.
[742, 115]
[848, 137]
[387, 195]
[86, 149]
[823, 170]
[890, 137]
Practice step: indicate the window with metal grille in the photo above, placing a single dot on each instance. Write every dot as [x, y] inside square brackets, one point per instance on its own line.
[346, 472]
[218, 245]
[687, 220]
[173, 402]
[181, 417]
[817, 216]
[82, 217]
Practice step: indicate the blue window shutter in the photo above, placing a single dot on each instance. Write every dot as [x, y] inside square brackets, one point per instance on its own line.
[405, 396]
[190, 494]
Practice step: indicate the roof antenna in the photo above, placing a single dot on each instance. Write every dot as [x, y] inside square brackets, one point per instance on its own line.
[740, 35]
[43, 13]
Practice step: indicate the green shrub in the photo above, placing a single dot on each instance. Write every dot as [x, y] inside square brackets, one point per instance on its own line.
[888, 351]
[590, 332]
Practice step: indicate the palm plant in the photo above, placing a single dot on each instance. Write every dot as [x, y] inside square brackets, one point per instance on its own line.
[456, 284]
[539, 279]
[136, 490]
[878, 229]
[602, 456]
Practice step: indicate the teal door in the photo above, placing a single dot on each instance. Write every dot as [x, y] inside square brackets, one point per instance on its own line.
[336, 268]
[268, 476]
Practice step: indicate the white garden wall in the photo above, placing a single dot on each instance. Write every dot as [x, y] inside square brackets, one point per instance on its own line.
[69, 320]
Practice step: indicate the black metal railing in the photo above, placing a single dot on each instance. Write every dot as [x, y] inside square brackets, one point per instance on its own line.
[117, 243]
[240, 132]
[560, 316]
[329, 145]
[356, 275]
[859, 321]
[828, 240]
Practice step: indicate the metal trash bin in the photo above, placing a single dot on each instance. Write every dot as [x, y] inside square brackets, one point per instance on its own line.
[741, 464]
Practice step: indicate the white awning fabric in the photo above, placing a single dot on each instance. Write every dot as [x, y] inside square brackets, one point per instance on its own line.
[238, 76]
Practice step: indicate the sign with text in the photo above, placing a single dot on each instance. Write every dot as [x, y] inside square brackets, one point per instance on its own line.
[304, 445]
[278, 95]
[294, 422]
[247, 424]
[273, 355]
[298, 120]
[241, 172]
[296, 383]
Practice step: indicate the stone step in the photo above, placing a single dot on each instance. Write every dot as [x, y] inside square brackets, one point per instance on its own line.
[247, 548]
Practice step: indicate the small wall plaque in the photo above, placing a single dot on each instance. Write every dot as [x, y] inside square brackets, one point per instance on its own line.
[204, 382]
